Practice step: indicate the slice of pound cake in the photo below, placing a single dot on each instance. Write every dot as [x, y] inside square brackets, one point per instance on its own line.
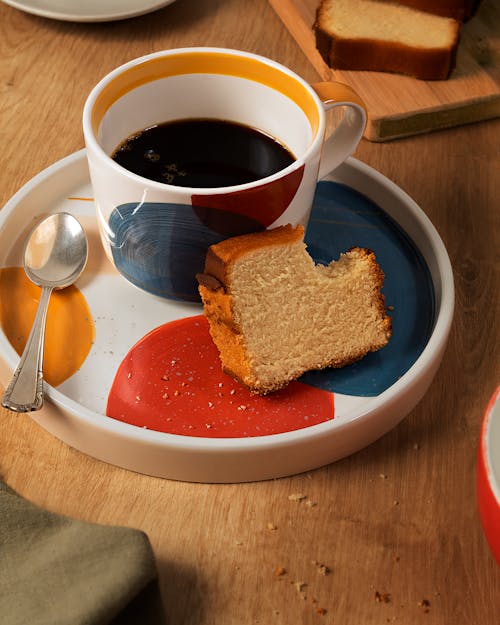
[274, 314]
[386, 37]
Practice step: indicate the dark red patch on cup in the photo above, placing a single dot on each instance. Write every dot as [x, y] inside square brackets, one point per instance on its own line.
[263, 204]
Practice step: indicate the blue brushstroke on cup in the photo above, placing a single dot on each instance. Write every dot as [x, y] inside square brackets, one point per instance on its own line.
[160, 247]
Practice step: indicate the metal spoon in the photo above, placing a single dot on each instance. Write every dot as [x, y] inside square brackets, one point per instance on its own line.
[54, 256]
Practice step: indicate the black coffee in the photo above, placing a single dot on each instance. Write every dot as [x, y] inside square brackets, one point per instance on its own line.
[202, 153]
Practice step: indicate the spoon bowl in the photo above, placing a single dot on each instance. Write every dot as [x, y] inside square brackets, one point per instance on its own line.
[54, 257]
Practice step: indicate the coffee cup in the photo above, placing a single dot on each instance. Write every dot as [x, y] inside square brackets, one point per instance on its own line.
[156, 215]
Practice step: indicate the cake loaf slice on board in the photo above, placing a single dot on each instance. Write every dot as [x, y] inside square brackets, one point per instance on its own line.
[274, 314]
[383, 36]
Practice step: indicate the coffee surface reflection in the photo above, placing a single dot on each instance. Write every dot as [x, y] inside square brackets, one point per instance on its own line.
[202, 153]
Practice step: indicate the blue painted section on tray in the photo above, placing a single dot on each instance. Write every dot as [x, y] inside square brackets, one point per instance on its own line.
[167, 264]
[343, 218]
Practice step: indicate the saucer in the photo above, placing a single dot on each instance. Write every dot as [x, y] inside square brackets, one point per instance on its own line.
[89, 10]
[355, 205]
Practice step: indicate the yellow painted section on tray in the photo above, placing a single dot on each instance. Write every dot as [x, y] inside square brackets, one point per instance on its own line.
[70, 328]
[203, 63]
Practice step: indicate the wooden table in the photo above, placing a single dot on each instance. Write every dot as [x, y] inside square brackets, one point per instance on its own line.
[396, 524]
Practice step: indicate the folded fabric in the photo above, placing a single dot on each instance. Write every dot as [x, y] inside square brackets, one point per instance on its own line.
[55, 570]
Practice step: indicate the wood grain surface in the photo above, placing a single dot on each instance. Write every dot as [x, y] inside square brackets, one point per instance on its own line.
[400, 106]
[396, 524]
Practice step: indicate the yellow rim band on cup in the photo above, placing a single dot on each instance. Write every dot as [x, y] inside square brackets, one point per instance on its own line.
[203, 62]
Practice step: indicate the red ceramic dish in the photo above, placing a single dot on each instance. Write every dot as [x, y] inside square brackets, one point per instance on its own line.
[488, 474]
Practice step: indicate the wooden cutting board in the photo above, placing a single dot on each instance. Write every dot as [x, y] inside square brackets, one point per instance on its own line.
[400, 106]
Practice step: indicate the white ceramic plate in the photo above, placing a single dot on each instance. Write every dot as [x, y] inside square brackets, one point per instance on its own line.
[88, 10]
[75, 410]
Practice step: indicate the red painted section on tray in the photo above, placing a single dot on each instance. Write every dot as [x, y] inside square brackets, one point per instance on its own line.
[264, 203]
[172, 381]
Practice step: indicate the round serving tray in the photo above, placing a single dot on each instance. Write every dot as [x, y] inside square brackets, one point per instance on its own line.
[355, 205]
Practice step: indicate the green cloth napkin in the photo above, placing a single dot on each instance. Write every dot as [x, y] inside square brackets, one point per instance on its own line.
[59, 571]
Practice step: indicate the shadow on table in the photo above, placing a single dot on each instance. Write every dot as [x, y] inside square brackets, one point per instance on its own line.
[182, 593]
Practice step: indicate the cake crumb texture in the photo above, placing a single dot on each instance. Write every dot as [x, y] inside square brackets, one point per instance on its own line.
[274, 314]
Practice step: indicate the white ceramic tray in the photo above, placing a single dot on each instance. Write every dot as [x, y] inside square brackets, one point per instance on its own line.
[75, 411]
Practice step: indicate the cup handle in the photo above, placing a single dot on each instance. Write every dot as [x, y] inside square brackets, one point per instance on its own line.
[346, 136]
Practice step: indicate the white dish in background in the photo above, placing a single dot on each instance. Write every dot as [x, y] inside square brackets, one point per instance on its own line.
[75, 410]
[88, 10]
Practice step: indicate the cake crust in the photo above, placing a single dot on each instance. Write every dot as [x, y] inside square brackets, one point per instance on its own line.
[220, 256]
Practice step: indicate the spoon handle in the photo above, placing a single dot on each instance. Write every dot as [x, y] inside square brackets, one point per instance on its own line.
[25, 391]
